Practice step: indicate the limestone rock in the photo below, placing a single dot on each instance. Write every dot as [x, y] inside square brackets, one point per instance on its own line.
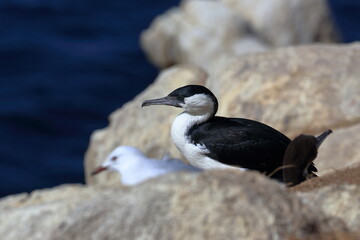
[350, 175]
[33, 216]
[201, 32]
[339, 201]
[145, 128]
[198, 206]
[286, 22]
[344, 144]
[198, 32]
[204, 205]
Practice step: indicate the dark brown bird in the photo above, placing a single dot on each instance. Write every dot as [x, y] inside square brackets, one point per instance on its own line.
[299, 155]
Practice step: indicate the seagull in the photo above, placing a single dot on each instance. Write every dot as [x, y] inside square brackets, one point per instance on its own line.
[300, 153]
[134, 167]
[209, 141]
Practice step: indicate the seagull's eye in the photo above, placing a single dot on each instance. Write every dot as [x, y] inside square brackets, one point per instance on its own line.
[114, 158]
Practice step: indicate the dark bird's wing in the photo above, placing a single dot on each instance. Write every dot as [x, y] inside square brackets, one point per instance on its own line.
[242, 142]
[300, 153]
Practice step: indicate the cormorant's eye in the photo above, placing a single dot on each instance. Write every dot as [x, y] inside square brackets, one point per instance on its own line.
[114, 158]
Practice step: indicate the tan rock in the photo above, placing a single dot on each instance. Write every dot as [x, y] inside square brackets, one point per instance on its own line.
[350, 176]
[341, 150]
[184, 206]
[210, 205]
[34, 216]
[201, 32]
[39, 197]
[145, 128]
[198, 32]
[338, 201]
[286, 22]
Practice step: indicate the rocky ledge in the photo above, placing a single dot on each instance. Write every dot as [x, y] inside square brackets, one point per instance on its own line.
[221, 204]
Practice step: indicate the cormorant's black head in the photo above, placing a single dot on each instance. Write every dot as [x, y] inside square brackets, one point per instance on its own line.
[194, 99]
[299, 155]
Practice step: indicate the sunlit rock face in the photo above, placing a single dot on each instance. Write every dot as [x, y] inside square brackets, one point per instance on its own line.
[203, 32]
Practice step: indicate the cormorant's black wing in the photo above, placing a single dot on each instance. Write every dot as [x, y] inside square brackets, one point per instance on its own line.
[241, 142]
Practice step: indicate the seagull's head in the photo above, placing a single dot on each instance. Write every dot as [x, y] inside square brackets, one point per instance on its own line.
[194, 99]
[118, 159]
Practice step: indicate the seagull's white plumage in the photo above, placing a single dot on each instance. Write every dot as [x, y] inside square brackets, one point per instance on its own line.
[134, 167]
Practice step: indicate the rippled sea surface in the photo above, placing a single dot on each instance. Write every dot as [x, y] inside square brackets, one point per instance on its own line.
[65, 65]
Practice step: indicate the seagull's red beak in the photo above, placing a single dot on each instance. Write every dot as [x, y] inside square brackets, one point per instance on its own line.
[98, 169]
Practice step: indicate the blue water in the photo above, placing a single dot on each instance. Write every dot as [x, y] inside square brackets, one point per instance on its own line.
[65, 65]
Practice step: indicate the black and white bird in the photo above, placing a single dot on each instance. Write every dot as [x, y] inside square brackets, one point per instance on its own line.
[299, 155]
[134, 167]
[209, 141]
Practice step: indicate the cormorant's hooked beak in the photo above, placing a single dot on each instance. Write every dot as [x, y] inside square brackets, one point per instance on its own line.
[98, 169]
[322, 137]
[168, 100]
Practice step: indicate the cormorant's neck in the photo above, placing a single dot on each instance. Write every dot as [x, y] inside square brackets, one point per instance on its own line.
[182, 124]
[191, 120]
[198, 109]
